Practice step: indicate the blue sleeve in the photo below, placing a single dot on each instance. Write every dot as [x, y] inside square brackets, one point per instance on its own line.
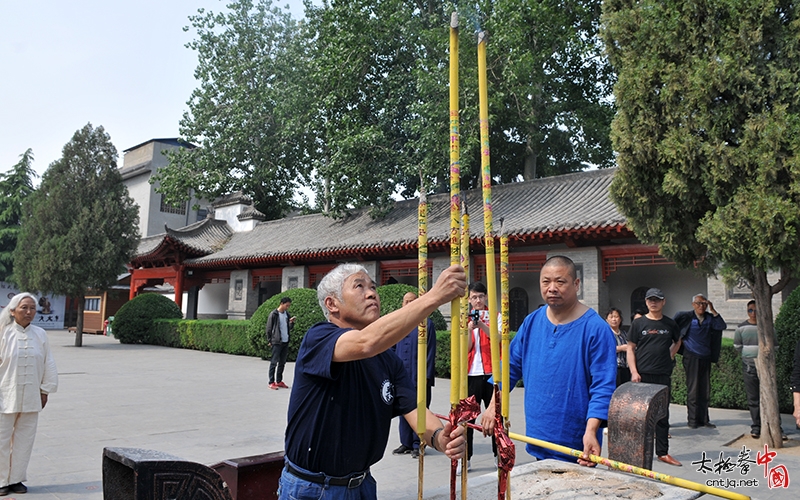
[316, 351]
[717, 323]
[516, 349]
[603, 370]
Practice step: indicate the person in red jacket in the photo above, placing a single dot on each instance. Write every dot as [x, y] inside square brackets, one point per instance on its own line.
[479, 359]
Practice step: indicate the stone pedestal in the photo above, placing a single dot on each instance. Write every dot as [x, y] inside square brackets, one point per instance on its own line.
[137, 474]
[632, 415]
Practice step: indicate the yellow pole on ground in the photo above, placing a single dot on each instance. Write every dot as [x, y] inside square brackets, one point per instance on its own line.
[455, 211]
[422, 343]
[614, 464]
[505, 337]
[486, 178]
[665, 478]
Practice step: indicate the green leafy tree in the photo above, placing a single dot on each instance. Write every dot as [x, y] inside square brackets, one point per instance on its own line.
[380, 102]
[707, 135]
[242, 63]
[80, 228]
[353, 101]
[16, 186]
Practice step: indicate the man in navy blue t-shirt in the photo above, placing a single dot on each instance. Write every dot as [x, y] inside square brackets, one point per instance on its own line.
[347, 388]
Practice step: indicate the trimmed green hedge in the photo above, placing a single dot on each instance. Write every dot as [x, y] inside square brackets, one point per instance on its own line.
[305, 308]
[213, 335]
[727, 384]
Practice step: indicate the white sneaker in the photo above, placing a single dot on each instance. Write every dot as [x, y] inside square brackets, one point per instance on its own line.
[458, 469]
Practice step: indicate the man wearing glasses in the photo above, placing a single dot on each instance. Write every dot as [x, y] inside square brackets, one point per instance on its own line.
[701, 331]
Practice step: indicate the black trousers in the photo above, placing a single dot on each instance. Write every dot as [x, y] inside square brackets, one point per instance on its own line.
[698, 388]
[279, 354]
[662, 426]
[479, 386]
[623, 375]
[751, 388]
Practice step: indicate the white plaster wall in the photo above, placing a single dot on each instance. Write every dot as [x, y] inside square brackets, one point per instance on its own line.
[213, 300]
[678, 287]
[229, 214]
[139, 190]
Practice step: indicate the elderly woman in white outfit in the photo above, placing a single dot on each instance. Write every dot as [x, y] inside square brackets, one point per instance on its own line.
[27, 375]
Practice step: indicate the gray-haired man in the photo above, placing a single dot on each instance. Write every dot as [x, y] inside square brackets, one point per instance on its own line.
[347, 387]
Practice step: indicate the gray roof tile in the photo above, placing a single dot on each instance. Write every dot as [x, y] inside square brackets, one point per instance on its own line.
[201, 238]
[560, 204]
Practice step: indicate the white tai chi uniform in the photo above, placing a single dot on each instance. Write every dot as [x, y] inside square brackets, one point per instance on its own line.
[27, 370]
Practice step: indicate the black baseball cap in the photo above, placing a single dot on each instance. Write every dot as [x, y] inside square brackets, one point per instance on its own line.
[654, 292]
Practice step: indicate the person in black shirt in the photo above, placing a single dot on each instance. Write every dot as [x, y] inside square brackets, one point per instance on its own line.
[653, 341]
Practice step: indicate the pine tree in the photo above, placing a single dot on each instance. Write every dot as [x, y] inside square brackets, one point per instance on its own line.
[80, 228]
[16, 186]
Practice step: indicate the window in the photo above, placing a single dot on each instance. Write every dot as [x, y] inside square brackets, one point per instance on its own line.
[91, 304]
[167, 208]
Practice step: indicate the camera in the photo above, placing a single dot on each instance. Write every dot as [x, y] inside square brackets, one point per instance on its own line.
[475, 315]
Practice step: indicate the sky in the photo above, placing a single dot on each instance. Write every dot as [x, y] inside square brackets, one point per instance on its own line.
[121, 64]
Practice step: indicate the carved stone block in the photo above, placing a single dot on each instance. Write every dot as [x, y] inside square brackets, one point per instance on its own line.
[632, 415]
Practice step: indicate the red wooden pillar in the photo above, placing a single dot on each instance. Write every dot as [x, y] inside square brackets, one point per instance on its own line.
[179, 287]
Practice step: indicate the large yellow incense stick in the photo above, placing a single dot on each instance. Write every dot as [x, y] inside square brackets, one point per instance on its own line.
[455, 211]
[504, 314]
[486, 177]
[465, 333]
[422, 343]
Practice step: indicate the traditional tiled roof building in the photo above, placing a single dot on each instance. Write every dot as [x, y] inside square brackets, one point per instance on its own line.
[227, 266]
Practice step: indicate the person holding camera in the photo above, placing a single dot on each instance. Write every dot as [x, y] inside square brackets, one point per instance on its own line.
[479, 358]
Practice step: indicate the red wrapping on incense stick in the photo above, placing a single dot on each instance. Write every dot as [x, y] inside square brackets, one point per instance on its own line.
[506, 451]
[466, 410]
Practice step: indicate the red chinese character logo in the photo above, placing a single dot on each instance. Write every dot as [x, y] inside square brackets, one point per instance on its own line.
[765, 459]
[778, 477]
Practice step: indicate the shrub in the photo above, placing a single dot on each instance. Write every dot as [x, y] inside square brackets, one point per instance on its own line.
[214, 335]
[727, 383]
[392, 299]
[787, 333]
[305, 308]
[133, 323]
[165, 333]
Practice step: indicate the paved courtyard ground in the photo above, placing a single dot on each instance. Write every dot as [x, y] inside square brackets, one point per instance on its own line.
[208, 407]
